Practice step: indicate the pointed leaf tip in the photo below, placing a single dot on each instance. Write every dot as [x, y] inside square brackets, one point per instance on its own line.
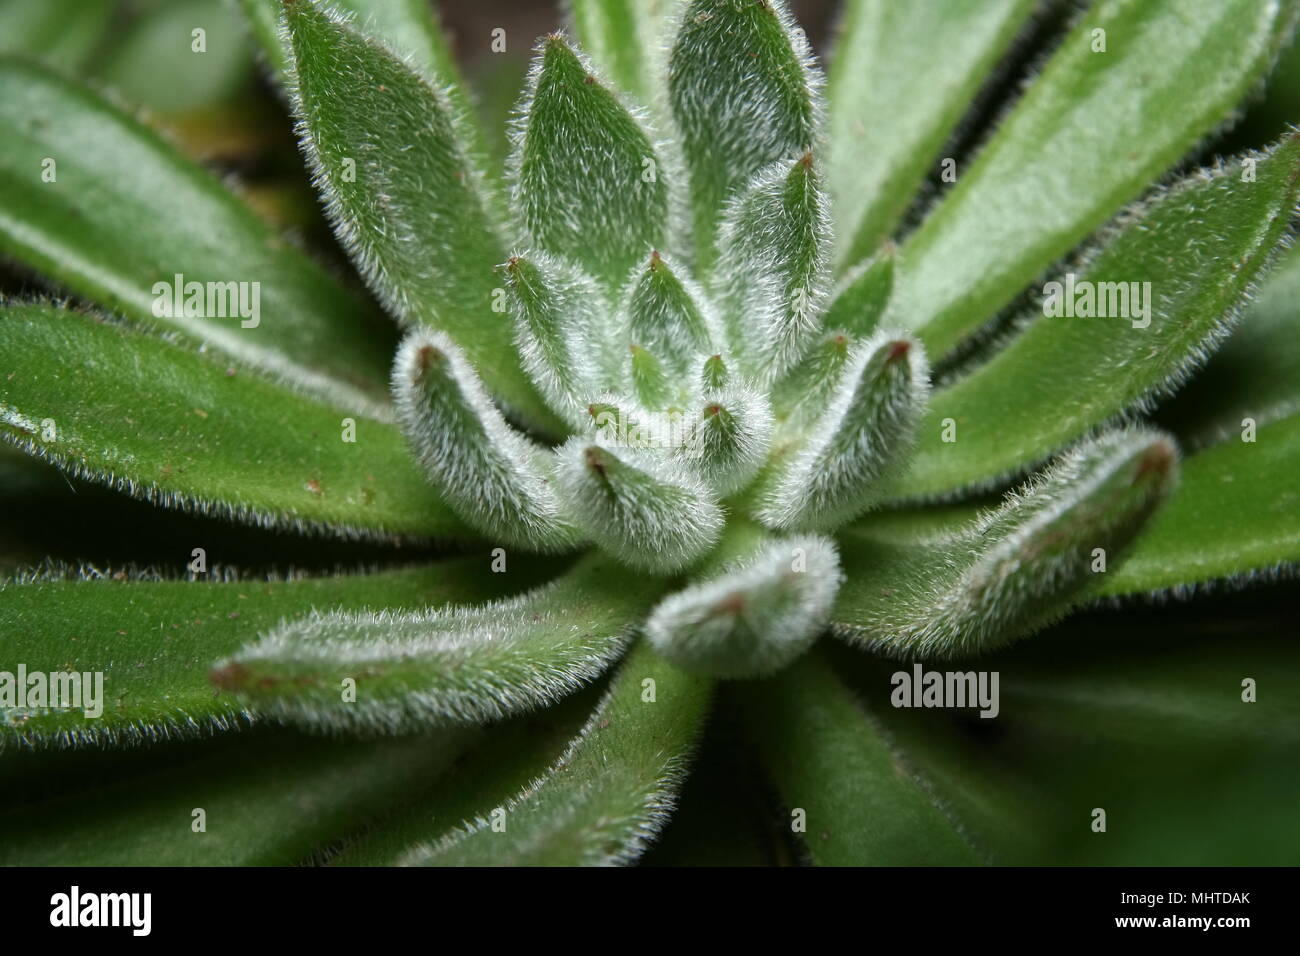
[643, 511]
[1020, 566]
[492, 476]
[862, 438]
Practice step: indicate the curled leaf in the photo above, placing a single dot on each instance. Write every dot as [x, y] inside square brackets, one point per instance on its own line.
[755, 616]
[647, 513]
[860, 439]
[492, 476]
[414, 668]
[1017, 568]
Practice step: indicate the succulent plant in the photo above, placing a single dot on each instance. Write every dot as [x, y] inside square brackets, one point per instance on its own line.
[729, 390]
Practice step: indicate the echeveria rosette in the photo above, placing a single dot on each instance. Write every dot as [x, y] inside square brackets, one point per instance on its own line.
[663, 364]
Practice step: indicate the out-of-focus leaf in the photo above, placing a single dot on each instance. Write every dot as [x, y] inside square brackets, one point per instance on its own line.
[162, 62]
[63, 33]
[1255, 375]
[267, 799]
[105, 207]
[851, 795]
[622, 35]
[893, 102]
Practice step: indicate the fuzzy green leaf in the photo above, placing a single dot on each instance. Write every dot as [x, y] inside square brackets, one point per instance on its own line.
[860, 440]
[892, 102]
[154, 640]
[491, 475]
[465, 664]
[1235, 515]
[742, 90]
[860, 299]
[562, 330]
[829, 757]
[1201, 246]
[1091, 133]
[416, 218]
[649, 514]
[410, 27]
[320, 790]
[119, 218]
[609, 793]
[587, 178]
[1256, 374]
[729, 440]
[753, 617]
[621, 36]
[773, 265]
[668, 314]
[191, 431]
[1015, 569]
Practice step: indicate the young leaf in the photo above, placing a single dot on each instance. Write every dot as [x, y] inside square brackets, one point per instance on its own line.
[561, 330]
[410, 27]
[1156, 298]
[650, 515]
[416, 219]
[862, 295]
[107, 208]
[800, 396]
[587, 178]
[773, 253]
[191, 431]
[491, 475]
[1017, 568]
[648, 380]
[464, 664]
[320, 790]
[608, 794]
[621, 36]
[1234, 517]
[1135, 85]
[753, 617]
[892, 103]
[154, 640]
[669, 315]
[860, 439]
[742, 90]
[813, 737]
[729, 439]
